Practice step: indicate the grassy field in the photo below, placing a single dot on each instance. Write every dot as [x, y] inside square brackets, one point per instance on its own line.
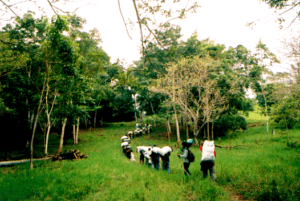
[262, 169]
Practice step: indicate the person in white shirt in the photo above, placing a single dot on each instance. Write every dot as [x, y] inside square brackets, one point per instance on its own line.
[147, 155]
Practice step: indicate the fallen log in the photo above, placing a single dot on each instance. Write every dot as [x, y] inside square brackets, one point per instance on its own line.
[229, 147]
[12, 163]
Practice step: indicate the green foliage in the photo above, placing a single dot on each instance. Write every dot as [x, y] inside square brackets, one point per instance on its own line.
[268, 92]
[294, 144]
[286, 113]
[229, 123]
[279, 4]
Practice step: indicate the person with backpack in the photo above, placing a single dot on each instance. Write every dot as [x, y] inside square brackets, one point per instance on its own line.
[165, 153]
[208, 159]
[184, 156]
[155, 157]
[141, 150]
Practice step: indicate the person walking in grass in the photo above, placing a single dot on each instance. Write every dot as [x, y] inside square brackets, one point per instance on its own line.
[155, 157]
[184, 156]
[165, 153]
[141, 150]
[208, 159]
[147, 155]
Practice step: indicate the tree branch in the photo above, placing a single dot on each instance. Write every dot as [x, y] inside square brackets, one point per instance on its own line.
[140, 25]
[53, 9]
[123, 19]
[292, 21]
[289, 9]
[60, 9]
[9, 8]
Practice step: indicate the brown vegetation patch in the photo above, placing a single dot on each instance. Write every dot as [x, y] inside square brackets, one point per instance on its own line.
[253, 124]
[8, 170]
[69, 155]
[235, 196]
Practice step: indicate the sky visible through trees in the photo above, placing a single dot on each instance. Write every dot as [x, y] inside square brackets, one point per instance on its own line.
[222, 21]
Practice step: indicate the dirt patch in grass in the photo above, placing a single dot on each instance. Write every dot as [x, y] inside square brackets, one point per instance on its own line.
[8, 170]
[235, 196]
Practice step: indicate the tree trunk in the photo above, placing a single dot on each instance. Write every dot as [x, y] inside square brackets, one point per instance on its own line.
[135, 117]
[77, 131]
[35, 123]
[95, 119]
[32, 138]
[212, 131]
[141, 116]
[86, 122]
[196, 131]
[266, 108]
[47, 137]
[31, 120]
[74, 134]
[153, 113]
[61, 143]
[177, 126]
[45, 133]
[169, 126]
[187, 129]
[208, 130]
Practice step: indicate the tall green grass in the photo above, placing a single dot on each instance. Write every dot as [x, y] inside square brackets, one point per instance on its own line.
[107, 174]
[262, 169]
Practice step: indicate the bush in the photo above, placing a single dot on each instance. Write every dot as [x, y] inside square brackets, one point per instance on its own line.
[229, 123]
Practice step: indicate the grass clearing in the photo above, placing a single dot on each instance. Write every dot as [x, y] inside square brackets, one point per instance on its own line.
[263, 169]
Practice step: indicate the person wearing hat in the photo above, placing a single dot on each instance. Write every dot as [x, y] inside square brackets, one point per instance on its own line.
[185, 160]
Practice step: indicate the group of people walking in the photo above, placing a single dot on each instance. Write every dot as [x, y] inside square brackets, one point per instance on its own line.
[151, 156]
[127, 150]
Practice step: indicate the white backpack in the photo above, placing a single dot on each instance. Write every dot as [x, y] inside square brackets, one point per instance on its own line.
[163, 151]
[208, 150]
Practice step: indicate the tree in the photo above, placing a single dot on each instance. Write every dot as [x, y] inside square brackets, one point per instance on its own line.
[287, 88]
[264, 54]
[188, 84]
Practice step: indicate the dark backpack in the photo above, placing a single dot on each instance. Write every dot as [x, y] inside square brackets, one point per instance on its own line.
[190, 156]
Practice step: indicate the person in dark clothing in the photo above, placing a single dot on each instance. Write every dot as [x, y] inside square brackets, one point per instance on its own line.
[155, 157]
[128, 152]
[165, 153]
[141, 150]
